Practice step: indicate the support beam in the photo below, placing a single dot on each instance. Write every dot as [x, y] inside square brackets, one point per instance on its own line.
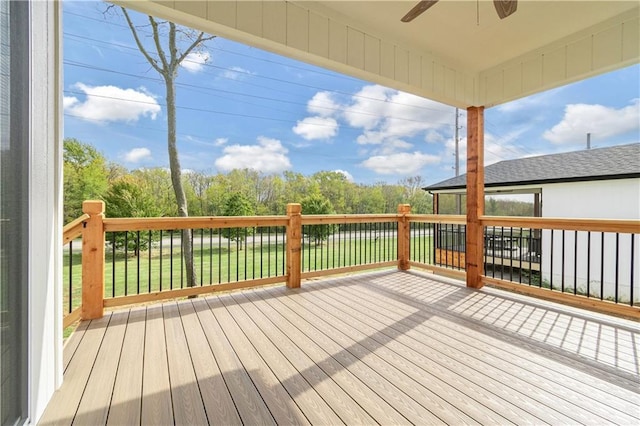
[475, 196]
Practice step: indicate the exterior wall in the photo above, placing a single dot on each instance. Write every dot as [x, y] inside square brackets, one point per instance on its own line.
[607, 199]
[613, 199]
[45, 209]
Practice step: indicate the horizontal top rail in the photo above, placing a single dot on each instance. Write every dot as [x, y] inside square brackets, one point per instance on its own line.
[191, 222]
[594, 225]
[449, 219]
[73, 229]
[316, 219]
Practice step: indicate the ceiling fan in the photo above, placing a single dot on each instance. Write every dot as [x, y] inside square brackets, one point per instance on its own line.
[504, 8]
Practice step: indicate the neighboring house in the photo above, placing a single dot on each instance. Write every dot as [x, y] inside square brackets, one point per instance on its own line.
[602, 183]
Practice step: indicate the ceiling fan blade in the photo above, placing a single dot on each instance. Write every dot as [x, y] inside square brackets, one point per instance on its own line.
[418, 9]
[505, 7]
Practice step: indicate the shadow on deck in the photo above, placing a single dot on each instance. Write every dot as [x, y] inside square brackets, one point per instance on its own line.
[386, 347]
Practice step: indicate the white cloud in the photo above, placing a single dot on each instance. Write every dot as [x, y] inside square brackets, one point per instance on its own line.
[433, 136]
[386, 115]
[68, 101]
[403, 163]
[194, 61]
[220, 141]
[236, 73]
[346, 174]
[136, 155]
[495, 149]
[316, 128]
[322, 104]
[268, 156]
[111, 103]
[603, 122]
[393, 146]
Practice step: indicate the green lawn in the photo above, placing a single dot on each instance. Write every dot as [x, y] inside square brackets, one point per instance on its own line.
[227, 263]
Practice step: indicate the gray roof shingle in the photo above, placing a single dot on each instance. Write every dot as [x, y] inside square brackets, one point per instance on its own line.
[616, 162]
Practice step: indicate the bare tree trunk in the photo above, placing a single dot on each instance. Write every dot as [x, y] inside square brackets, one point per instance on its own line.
[176, 180]
[167, 67]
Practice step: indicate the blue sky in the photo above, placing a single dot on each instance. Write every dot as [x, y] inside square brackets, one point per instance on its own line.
[240, 107]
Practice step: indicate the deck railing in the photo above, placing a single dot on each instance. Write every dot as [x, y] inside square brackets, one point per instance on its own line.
[590, 263]
[582, 261]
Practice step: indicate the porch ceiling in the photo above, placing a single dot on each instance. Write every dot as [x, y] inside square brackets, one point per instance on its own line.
[457, 52]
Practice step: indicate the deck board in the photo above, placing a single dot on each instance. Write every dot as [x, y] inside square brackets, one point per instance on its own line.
[185, 392]
[497, 375]
[289, 341]
[96, 398]
[315, 409]
[63, 406]
[382, 375]
[382, 347]
[156, 407]
[470, 349]
[275, 396]
[216, 398]
[127, 390]
[72, 343]
[247, 399]
[416, 352]
[364, 383]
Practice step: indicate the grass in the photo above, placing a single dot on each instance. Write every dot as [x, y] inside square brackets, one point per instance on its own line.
[155, 271]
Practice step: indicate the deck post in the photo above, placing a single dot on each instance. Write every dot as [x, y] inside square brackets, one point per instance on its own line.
[404, 237]
[294, 244]
[93, 260]
[475, 196]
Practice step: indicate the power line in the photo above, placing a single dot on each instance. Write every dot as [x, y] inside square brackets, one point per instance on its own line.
[354, 95]
[199, 89]
[182, 107]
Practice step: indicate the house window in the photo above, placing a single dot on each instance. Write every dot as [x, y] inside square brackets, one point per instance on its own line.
[14, 120]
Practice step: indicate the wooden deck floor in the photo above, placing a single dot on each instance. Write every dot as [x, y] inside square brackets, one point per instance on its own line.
[387, 347]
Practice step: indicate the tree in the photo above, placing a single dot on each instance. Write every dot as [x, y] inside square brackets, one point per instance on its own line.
[167, 65]
[333, 186]
[126, 197]
[237, 205]
[157, 182]
[421, 202]
[317, 204]
[85, 176]
[370, 200]
[198, 184]
[297, 186]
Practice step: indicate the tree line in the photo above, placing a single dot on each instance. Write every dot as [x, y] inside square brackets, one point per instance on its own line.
[148, 192]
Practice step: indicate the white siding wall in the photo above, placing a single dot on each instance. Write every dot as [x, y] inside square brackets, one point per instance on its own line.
[45, 211]
[613, 199]
[610, 199]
